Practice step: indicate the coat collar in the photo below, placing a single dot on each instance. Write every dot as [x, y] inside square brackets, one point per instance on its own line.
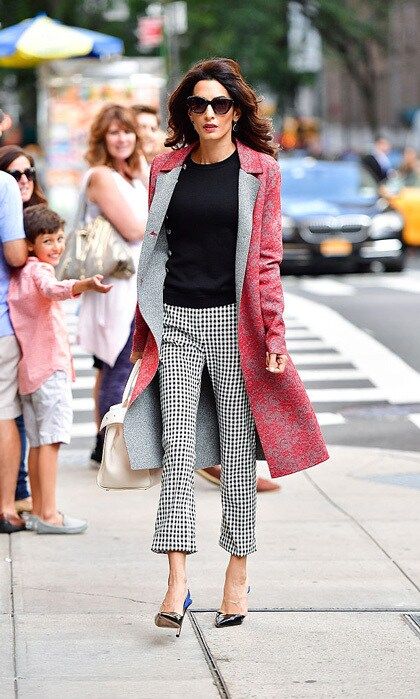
[250, 160]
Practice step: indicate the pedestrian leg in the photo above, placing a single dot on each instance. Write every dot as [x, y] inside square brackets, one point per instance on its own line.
[114, 378]
[180, 370]
[237, 433]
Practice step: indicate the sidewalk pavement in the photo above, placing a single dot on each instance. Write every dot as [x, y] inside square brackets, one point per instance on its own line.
[335, 590]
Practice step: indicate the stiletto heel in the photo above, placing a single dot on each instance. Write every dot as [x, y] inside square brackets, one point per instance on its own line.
[223, 620]
[173, 620]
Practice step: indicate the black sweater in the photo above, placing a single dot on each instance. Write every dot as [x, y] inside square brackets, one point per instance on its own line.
[202, 227]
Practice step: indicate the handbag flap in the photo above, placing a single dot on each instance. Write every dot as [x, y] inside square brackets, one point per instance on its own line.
[115, 415]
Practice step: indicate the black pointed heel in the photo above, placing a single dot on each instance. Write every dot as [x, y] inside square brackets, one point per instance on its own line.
[172, 620]
[223, 620]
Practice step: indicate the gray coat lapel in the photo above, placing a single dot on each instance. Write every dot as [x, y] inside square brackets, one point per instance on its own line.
[248, 191]
[151, 272]
[165, 185]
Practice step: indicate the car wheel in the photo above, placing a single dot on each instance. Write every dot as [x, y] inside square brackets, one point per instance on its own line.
[395, 265]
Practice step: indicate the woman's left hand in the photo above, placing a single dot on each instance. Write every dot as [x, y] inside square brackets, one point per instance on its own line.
[276, 363]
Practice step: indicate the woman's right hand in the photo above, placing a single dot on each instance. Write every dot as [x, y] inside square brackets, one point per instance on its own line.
[135, 356]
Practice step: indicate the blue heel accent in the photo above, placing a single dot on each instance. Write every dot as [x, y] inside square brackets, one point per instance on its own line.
[172, 619]
[188, 600]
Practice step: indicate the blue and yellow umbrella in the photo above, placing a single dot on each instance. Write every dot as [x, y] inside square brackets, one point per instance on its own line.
[41, 38]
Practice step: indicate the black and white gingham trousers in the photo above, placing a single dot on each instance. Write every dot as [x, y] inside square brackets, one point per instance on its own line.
[193, 338]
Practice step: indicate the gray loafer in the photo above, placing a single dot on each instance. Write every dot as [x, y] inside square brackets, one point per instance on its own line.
[70, 525]
[31, 521]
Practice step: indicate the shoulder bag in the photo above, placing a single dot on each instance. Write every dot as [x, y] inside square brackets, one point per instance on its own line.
[94, 248]
[115, 472]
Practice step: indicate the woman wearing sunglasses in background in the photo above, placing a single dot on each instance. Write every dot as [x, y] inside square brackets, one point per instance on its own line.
[210, 331]
[21, 166]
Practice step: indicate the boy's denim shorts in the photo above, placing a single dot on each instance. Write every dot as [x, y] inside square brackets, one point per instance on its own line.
[48, 412]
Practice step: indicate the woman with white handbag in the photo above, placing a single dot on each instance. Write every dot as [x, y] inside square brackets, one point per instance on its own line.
[116, 189]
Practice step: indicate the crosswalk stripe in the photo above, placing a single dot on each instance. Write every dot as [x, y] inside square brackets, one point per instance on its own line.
[397, 381]
[331, 375]
[345, 395]
[83, 382]
[330, 357]
[82, 363]
[83, 404]
[326, 419]
[415, 419]
[300, 345]
[83, 429]
[326, 287]
[300, 334]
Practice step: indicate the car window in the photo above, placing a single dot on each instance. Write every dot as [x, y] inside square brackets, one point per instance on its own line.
[327, 180]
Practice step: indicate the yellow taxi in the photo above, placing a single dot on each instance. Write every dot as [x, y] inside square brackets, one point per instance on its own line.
[407, 202]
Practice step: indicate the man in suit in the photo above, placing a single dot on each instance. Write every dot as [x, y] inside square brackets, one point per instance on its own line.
[378, 162]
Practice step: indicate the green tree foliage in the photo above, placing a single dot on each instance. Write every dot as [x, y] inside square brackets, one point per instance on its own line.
[255, 34]
[356, 31]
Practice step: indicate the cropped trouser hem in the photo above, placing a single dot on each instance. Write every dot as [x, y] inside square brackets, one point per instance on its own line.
[192, 339]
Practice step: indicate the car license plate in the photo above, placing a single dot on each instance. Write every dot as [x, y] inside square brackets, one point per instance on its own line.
[336, 247]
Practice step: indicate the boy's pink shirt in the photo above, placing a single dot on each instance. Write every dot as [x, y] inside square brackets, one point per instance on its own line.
[39, 324]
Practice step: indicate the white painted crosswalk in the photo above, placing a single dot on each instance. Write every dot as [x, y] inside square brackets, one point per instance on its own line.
[351, 285]
[341, 366]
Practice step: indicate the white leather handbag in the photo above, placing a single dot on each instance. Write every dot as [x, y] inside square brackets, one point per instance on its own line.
[115, 472]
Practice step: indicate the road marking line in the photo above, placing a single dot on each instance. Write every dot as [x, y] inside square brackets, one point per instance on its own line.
[299, 345]
[396, 380]
[83, 429]
[83, 382]
[331, 375]
[299, 334]
[326, 419]
[80, 404]
[84, 362]
[88, 429]
[403, 283]
[345, 395]
[323, 286]
[407, 281]
[415, 419]
[319, 358]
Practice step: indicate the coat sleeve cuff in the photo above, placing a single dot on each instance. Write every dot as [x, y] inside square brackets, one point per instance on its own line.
[275, 347]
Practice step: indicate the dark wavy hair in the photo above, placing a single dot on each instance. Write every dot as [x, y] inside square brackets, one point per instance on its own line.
[97, 152]
[7, 155]
[40, 219]
[252, 129]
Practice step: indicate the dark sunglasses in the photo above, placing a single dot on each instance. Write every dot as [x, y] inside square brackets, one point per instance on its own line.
[29, 173]
[219, 105]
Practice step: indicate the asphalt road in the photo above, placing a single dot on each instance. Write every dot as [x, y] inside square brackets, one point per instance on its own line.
[384, 308]
[356, 342]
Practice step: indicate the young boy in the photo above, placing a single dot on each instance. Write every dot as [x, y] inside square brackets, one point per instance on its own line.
[45, 370]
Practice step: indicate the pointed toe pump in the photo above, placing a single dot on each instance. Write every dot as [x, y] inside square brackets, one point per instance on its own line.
[223, 620]
[172, 620]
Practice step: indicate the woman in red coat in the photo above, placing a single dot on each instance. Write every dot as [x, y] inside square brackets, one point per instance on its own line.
[216, 384]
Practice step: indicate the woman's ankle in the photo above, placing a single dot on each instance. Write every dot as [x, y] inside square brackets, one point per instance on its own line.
[177, 580]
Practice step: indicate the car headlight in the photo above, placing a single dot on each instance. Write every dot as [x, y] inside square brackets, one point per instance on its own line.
[386, 225]
[288, 227]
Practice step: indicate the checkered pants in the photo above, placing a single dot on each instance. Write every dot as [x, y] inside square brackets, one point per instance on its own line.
[193, 338]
